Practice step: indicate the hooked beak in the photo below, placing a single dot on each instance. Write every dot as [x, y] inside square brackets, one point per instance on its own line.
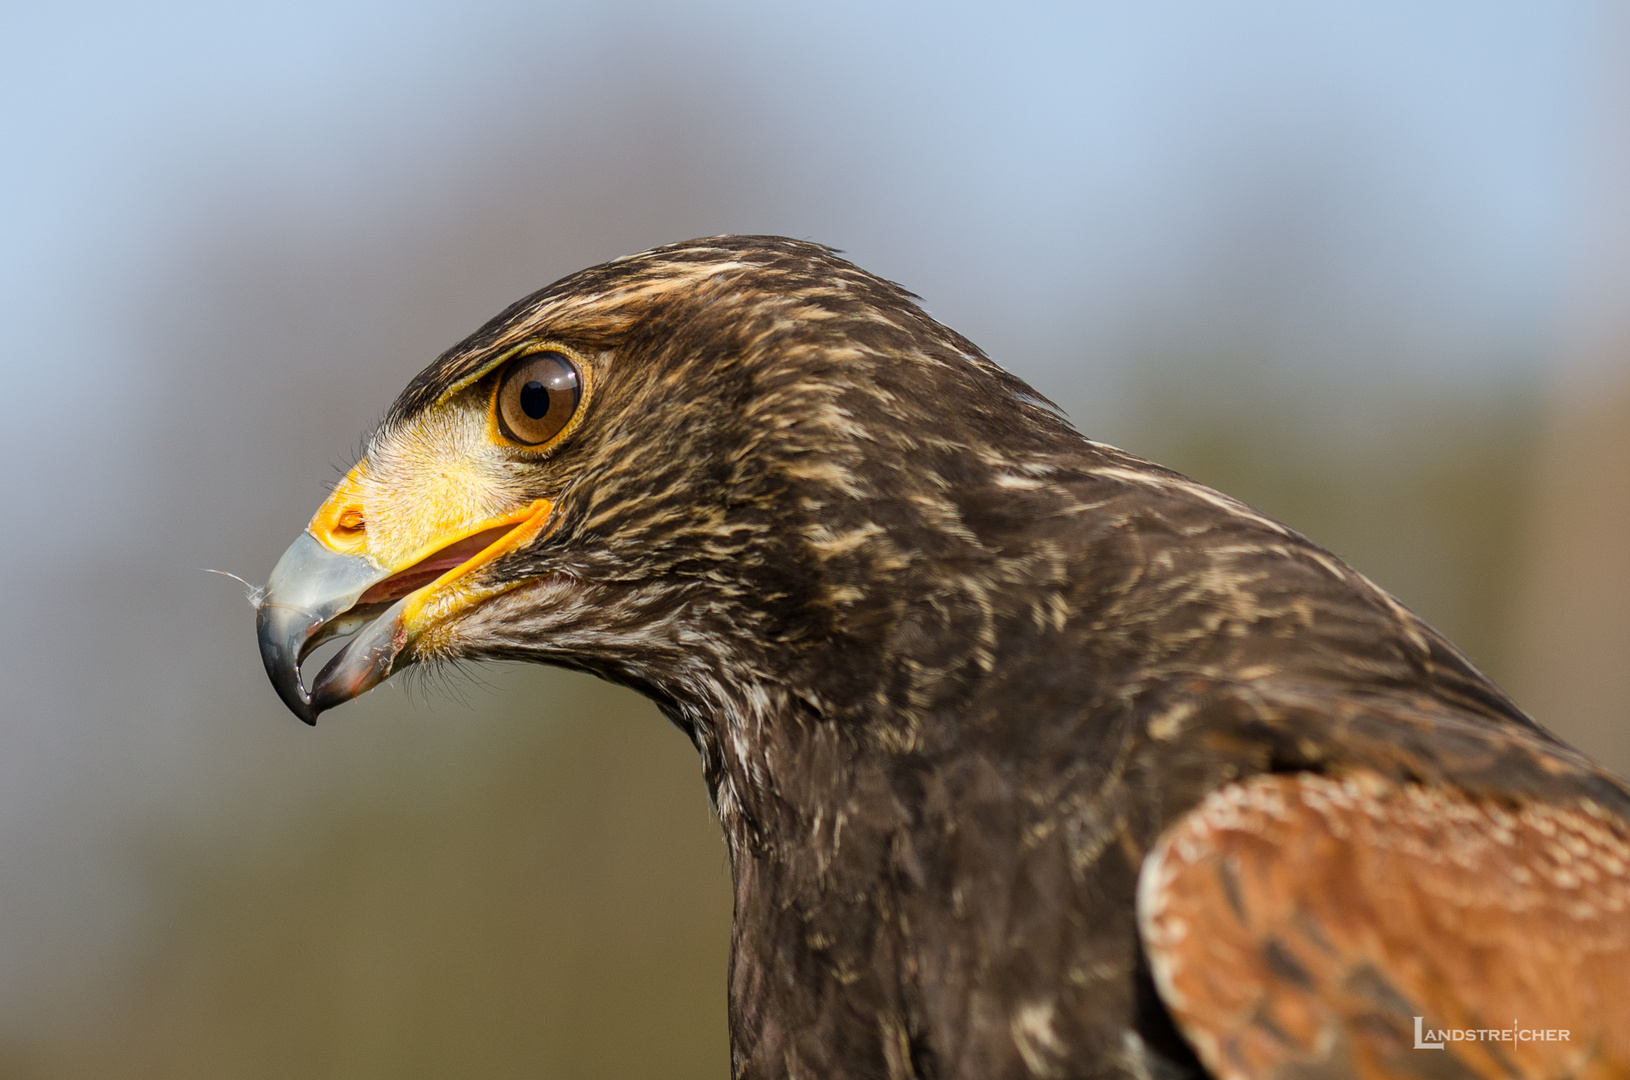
[317, 593]
[311, 597]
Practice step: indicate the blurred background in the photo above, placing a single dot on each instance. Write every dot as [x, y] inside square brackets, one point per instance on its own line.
[1365, 265]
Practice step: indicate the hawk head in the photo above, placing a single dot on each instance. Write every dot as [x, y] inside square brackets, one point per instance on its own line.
[716, 470]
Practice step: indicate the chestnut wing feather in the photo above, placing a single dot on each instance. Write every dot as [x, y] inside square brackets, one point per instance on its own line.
[1297, 924]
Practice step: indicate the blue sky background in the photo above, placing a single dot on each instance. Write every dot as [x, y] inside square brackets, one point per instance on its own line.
[1099, 147]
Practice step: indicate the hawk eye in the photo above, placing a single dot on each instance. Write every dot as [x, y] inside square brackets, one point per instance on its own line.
[537, 397]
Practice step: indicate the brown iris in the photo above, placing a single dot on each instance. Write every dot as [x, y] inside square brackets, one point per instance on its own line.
[537, 397]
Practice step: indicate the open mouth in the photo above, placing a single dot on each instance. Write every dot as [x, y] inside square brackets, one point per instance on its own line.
[317, 594]
[460, 555]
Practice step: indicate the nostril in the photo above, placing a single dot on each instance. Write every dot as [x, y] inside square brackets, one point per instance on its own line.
[342, 528]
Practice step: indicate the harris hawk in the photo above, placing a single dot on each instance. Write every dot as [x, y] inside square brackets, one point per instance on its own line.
[1033, 758]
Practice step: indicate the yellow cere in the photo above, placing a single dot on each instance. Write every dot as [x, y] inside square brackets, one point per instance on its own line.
[422, 486]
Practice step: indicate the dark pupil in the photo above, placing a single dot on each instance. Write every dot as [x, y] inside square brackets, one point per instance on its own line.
[535, 399]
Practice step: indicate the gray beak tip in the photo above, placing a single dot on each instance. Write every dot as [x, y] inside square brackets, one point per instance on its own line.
[282, 631]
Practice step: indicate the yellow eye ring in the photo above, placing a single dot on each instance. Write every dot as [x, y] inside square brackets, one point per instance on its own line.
[539, 398]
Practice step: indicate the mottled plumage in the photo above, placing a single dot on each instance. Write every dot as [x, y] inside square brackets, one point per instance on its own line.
[952, 671]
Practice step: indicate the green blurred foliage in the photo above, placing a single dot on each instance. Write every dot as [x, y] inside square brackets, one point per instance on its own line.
[551, 899]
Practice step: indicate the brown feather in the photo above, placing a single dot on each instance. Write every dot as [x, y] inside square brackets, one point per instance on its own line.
[1297, 925]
